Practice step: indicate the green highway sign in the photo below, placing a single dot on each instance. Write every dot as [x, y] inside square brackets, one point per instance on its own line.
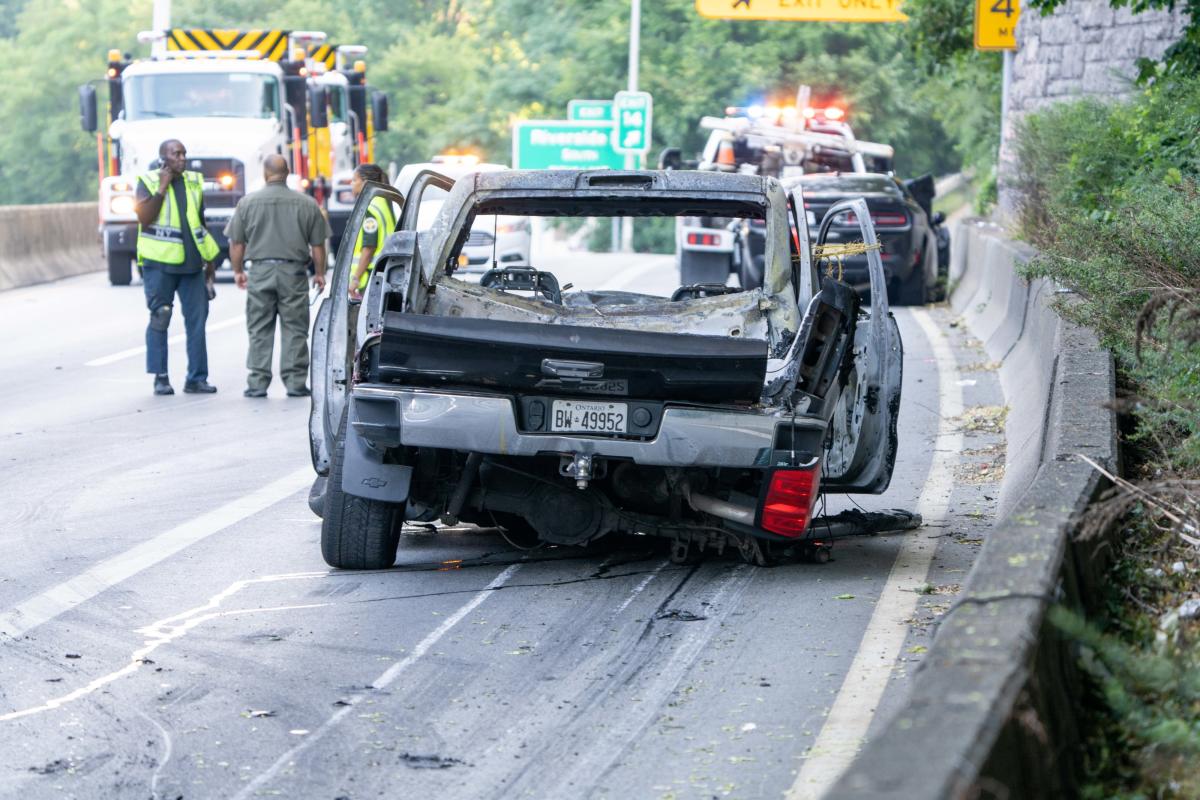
[634, 113]
[564, 144]
[590, 110]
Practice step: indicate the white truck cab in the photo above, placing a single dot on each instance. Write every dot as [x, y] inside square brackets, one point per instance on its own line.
[230, 115]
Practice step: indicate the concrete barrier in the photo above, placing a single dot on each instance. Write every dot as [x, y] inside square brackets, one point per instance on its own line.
[992, 711]
[48, 242]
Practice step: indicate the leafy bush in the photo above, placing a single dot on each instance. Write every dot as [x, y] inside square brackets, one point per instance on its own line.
[1109, 196]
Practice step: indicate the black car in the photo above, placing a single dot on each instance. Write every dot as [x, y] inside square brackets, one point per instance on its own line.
[916, 247]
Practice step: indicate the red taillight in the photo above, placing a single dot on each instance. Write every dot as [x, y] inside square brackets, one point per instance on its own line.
[705, 239]
[791, 496]
[881, 220]
[894, 220]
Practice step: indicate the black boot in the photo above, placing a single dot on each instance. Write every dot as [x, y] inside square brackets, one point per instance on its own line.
[199, 387]
[162, 384]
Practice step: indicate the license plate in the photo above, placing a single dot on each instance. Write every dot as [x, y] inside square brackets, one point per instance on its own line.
[571, 415]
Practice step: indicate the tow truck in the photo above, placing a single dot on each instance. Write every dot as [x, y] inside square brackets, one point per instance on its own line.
[233, 97]
[779, 141]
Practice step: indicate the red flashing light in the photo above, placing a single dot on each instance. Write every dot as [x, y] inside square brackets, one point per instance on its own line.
[791, 496]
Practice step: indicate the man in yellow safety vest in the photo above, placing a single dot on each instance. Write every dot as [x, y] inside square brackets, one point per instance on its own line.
[177, 255]
[379, 223]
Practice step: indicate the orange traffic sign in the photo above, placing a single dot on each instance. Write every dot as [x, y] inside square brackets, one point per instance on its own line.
[996, 24]
[804, 10]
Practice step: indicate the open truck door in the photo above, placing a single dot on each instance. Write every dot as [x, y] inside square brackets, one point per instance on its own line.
[860, 453]
[335, 336]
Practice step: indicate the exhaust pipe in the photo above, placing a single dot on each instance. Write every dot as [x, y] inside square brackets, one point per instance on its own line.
[724, 509]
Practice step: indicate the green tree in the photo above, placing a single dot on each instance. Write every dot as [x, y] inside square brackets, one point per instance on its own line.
[44, 156]
[460, 71]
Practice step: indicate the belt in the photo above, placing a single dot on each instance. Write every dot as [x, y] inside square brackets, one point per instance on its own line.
[254, 261]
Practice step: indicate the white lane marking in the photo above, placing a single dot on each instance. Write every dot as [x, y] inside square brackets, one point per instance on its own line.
[640, 587]
[167, 630]
[846, 726]
[382, 682]
[655, 686]
[168, 749]
[176, 339]
[75, 591]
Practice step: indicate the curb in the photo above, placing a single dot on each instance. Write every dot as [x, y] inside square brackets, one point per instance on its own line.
[991, 710]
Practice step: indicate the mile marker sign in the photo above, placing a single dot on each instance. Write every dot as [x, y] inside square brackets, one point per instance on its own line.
[996, 24]
[633, 112]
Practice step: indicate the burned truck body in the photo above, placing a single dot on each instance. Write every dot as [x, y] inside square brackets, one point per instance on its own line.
[709, 415]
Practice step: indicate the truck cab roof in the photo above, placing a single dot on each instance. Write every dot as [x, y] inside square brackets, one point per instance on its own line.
[202, 65]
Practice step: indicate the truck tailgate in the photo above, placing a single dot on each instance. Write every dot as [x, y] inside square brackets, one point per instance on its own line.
[418, 349]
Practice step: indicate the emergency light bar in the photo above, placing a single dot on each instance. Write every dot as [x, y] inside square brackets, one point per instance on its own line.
[843, 141]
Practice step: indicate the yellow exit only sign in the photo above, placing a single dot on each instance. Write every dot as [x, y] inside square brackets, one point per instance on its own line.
[804, 10]
[996, 24]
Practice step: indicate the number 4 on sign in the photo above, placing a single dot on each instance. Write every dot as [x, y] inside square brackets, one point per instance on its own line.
[996, 24]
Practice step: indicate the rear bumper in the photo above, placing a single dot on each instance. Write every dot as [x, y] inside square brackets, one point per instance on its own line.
[487, 423]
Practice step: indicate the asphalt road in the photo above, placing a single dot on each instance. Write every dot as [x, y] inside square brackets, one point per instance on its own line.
[168, 628]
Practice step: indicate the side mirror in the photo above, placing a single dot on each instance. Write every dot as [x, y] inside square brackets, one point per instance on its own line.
[938, 218]
[295, 91]
[379, 111]
[318, 113]
[922, 190]
[87, 108]
[670, 158]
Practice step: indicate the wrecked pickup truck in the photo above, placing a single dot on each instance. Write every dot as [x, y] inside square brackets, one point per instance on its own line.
[711, 416]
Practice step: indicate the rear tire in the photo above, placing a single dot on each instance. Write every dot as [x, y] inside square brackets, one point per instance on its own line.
[120, 269]
[913, 291]
[356, 533]
[703, 268]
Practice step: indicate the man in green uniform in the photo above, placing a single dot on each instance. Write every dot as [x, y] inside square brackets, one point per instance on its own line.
[275, 229]
[177, 255]
[379, 223]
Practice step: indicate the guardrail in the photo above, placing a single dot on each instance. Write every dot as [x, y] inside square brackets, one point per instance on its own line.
[991, 712]
[47, 242]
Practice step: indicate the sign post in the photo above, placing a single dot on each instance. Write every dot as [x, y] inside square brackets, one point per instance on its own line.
[804, 10]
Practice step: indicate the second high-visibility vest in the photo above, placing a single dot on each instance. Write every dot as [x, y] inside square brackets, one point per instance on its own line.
[379, 216]
[162, 241]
